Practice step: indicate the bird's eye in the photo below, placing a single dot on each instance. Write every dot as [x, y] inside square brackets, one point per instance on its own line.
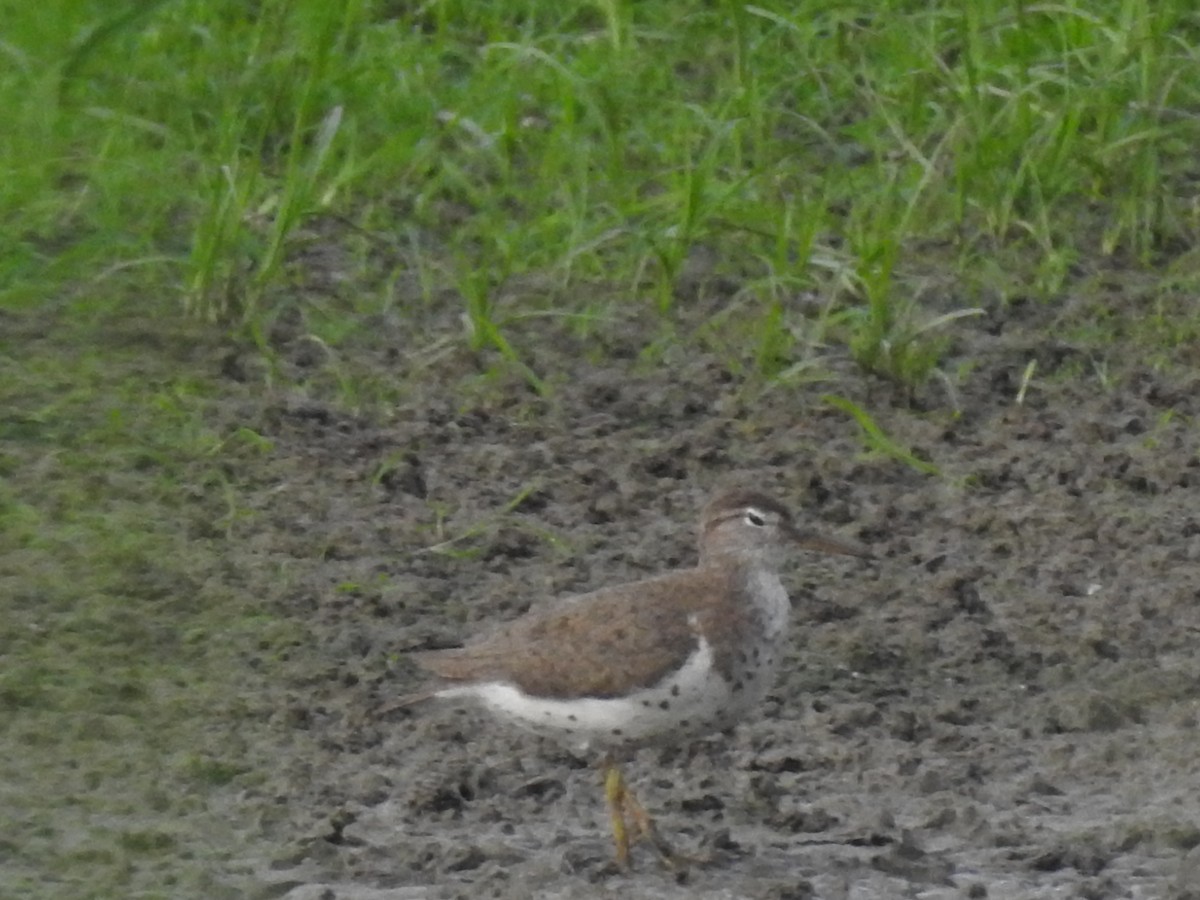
[755, 518]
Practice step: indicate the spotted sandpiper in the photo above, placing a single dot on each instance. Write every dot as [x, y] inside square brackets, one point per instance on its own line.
[650, 662]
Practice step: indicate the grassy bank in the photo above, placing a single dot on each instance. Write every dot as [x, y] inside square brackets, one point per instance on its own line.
[521, 159]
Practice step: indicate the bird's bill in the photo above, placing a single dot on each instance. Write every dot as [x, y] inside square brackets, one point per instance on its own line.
[811, 540]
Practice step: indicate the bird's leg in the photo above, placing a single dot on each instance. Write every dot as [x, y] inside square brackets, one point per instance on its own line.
[648, 830]
[623, 803]
[614, 793]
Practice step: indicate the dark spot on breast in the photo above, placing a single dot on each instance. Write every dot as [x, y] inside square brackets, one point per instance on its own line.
[664, 704]
[685, 723]
[546, 713]
[617, 732]
[674, 690]
[756, 654]
[646, 703]
[572, 718]
[620, 634]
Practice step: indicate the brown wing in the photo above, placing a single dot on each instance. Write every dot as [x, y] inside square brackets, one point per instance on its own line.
[602, 644]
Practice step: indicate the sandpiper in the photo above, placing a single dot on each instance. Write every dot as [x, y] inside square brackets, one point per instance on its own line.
[649, 662]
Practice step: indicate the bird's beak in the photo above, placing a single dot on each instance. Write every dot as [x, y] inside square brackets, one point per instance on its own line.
[810, 540]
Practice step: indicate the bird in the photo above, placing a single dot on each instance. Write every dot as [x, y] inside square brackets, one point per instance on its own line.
[651, 662]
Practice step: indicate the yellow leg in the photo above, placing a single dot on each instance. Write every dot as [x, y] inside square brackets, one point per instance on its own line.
[614, 793]
[623, 803]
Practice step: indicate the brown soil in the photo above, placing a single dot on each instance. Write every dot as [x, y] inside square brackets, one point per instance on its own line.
[1003, 705]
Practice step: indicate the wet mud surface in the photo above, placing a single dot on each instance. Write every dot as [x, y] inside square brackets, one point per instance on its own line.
[1003, 704]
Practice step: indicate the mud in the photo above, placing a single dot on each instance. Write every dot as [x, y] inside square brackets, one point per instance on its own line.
[1003, 705]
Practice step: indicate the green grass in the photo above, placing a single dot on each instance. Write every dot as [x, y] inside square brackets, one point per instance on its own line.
[812, 147]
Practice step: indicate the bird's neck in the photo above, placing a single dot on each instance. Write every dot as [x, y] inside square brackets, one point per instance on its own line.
[739, 560]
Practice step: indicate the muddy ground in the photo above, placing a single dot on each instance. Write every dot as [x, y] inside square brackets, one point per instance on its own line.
[1003, 705]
